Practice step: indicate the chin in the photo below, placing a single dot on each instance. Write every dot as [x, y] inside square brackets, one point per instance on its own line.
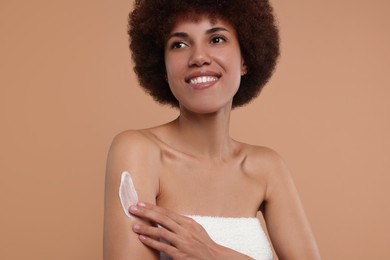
[204, 108]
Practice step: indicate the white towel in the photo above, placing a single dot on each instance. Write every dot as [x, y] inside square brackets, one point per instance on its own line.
[244, 235]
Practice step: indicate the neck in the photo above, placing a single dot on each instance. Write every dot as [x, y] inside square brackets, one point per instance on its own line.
[205, 135]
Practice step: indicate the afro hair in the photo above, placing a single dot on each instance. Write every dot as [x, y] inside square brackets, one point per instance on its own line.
[151, 21]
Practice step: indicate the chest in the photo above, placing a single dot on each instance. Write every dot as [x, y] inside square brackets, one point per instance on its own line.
[197, 188]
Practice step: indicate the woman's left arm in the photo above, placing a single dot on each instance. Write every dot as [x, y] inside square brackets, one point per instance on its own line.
[184, 237]
[285, 218]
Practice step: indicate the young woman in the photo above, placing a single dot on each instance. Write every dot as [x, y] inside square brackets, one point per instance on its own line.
[198, 189]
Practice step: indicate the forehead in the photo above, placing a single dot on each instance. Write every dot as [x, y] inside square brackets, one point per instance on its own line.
[200, 22]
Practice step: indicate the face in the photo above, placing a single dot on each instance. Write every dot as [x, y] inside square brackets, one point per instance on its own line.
[204, 64]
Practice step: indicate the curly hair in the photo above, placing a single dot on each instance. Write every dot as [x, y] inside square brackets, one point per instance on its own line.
[151, 21]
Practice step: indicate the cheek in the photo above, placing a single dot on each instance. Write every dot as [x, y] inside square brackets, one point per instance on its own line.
[231, 60]
[235, 73]
[175, 62]
[234, 67]
[174, 70]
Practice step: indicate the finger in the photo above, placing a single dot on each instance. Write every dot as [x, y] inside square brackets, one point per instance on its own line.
[180, 219]
[159, 246]
[157, 233]
[163, 217]
[155, 217]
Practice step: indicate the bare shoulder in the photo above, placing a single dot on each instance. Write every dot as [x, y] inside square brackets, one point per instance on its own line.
[136, 152]
[133, 140]
[132, 147]
[265, 160]
[283, 212]
[266, 165]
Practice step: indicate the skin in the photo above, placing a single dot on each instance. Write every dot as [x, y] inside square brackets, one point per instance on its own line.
[191, 166]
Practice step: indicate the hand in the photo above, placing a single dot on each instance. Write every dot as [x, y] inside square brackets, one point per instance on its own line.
[186, 238]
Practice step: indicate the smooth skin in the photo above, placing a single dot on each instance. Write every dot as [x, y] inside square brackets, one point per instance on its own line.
[191, 166]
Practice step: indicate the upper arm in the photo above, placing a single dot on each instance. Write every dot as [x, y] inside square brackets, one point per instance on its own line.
[286, 221]
[132, 152]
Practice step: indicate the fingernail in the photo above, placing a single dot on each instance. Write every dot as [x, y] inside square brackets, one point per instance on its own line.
[141, 204]
[133, 208]
[143, 238]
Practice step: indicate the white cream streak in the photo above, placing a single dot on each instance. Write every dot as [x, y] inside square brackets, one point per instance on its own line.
[127, 193]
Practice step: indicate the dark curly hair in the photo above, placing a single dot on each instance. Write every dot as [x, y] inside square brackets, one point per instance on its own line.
[151, 21]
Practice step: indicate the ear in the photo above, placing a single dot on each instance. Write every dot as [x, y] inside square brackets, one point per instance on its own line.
[244, 68]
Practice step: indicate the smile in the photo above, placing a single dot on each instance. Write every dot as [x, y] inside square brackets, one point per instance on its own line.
[203, 79]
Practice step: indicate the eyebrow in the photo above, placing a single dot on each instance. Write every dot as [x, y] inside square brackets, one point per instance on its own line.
[185, 35]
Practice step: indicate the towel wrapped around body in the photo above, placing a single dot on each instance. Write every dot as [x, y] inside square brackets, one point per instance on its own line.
[244, 235]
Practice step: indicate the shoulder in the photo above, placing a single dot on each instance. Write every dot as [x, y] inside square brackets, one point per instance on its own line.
[267, 164]
[264, 159]
[133, 145]
[283, 212]
[133, 139]
[134, 151]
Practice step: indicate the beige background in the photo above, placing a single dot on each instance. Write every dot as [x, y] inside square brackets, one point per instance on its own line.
[67, 88]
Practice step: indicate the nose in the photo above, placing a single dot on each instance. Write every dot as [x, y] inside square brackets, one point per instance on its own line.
[199, 57]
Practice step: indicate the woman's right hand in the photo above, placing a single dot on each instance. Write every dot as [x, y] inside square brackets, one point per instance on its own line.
[178, 236]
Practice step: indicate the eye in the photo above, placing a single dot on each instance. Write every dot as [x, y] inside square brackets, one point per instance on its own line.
[218, 39]
[178, 45]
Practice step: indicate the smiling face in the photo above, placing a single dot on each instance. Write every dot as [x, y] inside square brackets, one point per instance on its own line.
[204, 64]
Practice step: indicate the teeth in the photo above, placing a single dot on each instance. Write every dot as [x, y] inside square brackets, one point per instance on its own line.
[203, 79]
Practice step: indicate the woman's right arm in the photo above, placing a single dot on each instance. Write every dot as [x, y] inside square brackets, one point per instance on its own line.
[130, 151]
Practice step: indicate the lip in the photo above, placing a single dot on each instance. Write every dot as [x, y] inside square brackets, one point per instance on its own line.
[212, 76]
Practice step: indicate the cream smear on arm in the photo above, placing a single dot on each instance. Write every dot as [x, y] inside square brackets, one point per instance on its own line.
[127, 193]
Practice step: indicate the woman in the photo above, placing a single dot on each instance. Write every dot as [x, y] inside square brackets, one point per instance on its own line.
[198, 189]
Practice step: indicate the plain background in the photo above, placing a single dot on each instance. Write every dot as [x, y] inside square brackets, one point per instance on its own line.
[67, 89]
